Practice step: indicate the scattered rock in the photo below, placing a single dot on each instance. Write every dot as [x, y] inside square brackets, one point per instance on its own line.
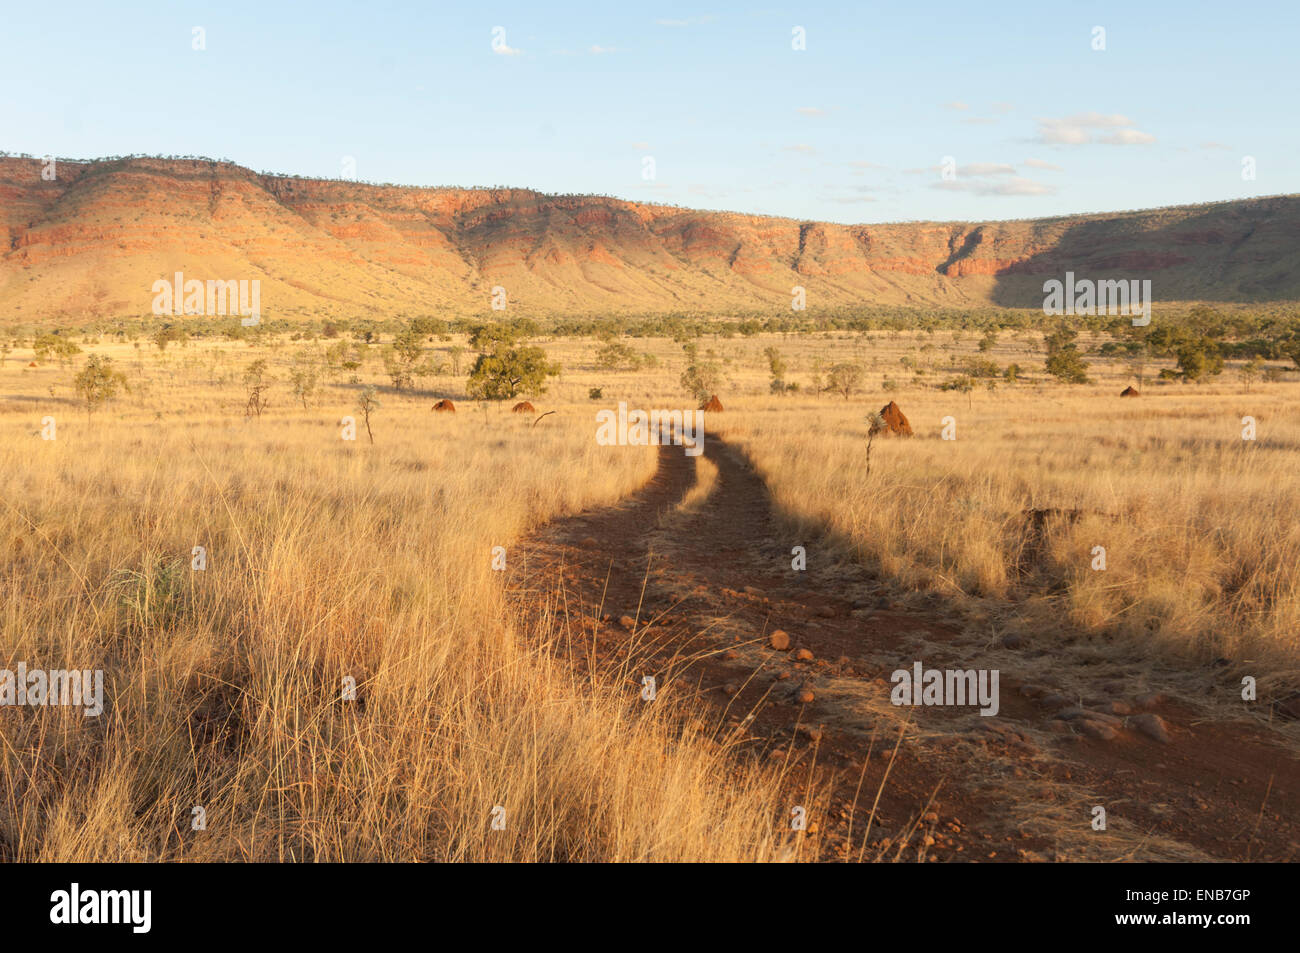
[1012, 641]
[803, 655]
[1055, 700]
[1098, 730]
[1153, 726]
[1087, 714]
[804, 696]
[780, 640]
[627, 622]
[1150, 700]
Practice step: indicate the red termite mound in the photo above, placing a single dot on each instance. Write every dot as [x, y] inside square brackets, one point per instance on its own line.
[895, 423]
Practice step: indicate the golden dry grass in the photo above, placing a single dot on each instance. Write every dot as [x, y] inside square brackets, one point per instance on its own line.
[330, 559]
[325, 559]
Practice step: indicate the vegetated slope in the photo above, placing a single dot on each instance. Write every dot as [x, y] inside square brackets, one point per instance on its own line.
[91, 242]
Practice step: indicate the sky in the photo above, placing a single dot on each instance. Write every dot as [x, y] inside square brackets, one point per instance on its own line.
[889, 112]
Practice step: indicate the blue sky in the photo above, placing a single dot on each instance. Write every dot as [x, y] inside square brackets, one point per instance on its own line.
[574, 98]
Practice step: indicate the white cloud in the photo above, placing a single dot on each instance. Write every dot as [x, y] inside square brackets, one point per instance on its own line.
[1078, 130]
[979, 169]
[1012, 186]
[1040, 164]
[641, 146]
[957, 104]
[1128, 137]
[810, 111]
[601, 49]
[1215, 145]
[503, 50]
[803, 148]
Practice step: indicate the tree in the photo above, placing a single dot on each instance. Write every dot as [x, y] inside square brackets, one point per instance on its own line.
[166, 335]
[367, 404]
[701, 380]
[1066, 365]
[303, 380]
[52, 344]
[1198, 357]
[505, 368]
[255, 383]
[1249, 371]
[98, 382]
[616, 356]
[844, 379]
[776, 364]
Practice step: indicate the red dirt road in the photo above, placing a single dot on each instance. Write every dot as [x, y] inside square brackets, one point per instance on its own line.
[703, 591]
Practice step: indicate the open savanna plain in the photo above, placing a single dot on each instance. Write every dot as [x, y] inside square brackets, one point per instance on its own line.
[502, 710]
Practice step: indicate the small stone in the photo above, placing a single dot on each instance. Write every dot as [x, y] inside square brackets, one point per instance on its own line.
[803, 655]
[1012, 641]
[780, 640]
[1055, 700]
[826, 612]
[1153, 726]
[804, 696]
[1098, 730]
[730, 655]
[1087, 714]
[1150, 700]
[627, 622]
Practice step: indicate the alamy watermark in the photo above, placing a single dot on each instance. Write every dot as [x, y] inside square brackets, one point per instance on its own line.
[934, 686]
[55, 686]
[182, 297]
[640, 428]
[74, 906]
[1108, 296]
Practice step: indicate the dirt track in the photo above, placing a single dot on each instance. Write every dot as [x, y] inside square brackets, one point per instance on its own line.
[705, 589]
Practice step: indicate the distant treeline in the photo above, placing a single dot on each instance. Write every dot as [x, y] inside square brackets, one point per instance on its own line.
[1243, 330]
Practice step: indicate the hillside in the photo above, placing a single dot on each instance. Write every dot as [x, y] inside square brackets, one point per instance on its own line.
[91, 243]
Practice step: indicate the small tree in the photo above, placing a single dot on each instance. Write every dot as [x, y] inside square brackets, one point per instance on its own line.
[255, 384]
[367, 404]
[303, 381]
[1249, 372]
[98, 382]
[1066, 365]
[844, 379]
[776, 365]
[506, 367]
